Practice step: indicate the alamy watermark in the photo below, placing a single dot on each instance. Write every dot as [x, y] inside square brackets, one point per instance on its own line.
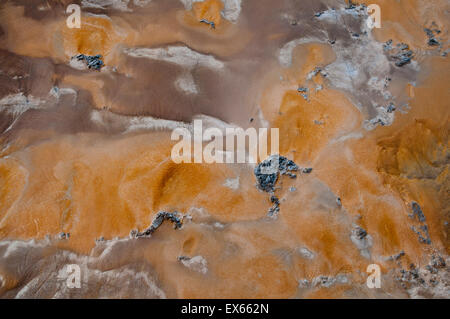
[73, 21]
[71, 275]
[374, 278]
[374, 20]
[228, 145]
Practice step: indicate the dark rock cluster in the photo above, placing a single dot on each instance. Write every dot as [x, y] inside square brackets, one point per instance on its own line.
[176, 218]
[410, 276]
[266, 182]
[417, 212]
[351, 5]
[387, 46]
[268, 171]
[64, 235]
[287, 167]
[304, 92]
[180, 258]
[429, 277]
[397, 256]
[360, 233]
[378, 121]
[391, 108]
[436, 263]
[93, 62]
[211, 23]
[423, 234]
[275, 209]
[402, 55]
[422, 229]
[267, 174]
[431, 33]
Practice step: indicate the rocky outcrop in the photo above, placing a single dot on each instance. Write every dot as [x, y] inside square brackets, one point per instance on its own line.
[362, 240]
[175, 217]
[422, 229]
[93, 62]
[268, 171]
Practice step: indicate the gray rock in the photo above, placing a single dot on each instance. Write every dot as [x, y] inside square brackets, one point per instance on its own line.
[318, 14]
[268, 171]
[387, 46]
[362, 240]
[323, 281]
[267, 174]
[396, 257]
[402, 54]
[93, 62]
[432, 41]
[175, 218]
[304, 92]
[360, 233]
[211, 23]
[424, 237]
[417, 211]
[391, 108]
[275, 209]
[437, 261]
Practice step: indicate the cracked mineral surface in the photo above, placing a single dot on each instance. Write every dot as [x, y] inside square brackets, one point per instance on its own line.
[360, 177]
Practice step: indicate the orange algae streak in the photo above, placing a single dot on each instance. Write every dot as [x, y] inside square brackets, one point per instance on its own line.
[96, 36]
[208, 10]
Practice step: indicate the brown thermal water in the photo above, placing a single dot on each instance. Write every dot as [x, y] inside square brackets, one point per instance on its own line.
[85, 155]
